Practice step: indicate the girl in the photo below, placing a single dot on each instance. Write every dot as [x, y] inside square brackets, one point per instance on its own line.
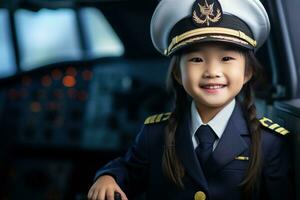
[211, 146]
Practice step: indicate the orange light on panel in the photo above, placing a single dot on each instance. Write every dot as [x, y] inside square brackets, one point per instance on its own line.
[46, 81]
[56, 74]
[69, 81]
[35, 107]
[87, 75]
[71, 71]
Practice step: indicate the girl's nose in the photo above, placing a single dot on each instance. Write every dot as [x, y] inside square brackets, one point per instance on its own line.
[212, 71]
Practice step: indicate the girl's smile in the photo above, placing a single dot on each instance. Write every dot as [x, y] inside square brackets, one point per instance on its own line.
[213, 88]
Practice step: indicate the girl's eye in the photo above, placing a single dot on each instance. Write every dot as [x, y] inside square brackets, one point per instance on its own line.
[196, 59]
[227, 58]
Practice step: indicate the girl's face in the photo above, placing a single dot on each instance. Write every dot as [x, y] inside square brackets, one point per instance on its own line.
[212, 75]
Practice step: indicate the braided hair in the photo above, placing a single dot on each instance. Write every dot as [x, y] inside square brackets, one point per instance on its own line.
[171, 164]
[251, 181]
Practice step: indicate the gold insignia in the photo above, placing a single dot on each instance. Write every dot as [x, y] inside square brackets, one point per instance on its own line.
[157, 118]
[273, 126]
[207, 11]
[242, 158]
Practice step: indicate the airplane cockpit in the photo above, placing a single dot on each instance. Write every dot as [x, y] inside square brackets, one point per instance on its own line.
[79, 77]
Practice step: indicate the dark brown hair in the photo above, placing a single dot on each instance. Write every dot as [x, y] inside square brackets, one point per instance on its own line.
[171, 164]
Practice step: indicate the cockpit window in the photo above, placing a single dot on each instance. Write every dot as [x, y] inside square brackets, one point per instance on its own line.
[46, 36]
[101, 38]
[7, 61]
[49, 36]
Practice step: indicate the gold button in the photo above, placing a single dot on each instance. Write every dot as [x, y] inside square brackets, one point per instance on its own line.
[200, 196]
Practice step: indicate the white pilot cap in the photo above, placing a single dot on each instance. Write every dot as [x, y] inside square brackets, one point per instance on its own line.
[176, 24]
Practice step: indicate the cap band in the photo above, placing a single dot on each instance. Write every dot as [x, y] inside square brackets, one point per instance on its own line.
[214, 32]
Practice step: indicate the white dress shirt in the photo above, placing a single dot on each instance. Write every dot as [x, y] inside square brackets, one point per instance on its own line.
[218, 123]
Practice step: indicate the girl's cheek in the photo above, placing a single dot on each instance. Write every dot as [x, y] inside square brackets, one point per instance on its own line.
[235, 71]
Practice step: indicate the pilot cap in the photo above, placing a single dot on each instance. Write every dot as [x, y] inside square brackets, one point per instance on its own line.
[177, 24]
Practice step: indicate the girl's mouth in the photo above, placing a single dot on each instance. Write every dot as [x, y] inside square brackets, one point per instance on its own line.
[213, 88]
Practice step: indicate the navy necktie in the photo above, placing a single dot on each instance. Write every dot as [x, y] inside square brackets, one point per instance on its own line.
[206, 138]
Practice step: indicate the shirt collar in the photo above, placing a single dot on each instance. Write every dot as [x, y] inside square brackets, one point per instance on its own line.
[218, 123]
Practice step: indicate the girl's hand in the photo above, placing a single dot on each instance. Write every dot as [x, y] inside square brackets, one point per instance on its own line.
[104, 189]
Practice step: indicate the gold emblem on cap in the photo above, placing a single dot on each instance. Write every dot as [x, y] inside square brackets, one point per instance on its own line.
[200, 196]
[207, 11]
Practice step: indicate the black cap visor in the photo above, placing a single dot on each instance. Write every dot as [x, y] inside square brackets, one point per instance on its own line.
[209, 39]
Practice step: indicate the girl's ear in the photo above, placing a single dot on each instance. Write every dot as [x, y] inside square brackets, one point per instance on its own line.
[177, 75]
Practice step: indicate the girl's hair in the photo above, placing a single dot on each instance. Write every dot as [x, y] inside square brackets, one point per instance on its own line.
[171, 164]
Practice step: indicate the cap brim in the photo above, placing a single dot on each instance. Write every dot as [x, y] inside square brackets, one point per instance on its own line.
[186, 44]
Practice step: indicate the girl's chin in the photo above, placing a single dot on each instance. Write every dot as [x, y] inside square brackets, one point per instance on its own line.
[213, 104]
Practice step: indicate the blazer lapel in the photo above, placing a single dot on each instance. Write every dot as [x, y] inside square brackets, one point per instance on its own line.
[231, 143]
[186, 152]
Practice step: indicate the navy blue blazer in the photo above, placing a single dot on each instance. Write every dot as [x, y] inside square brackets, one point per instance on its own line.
[140, 170]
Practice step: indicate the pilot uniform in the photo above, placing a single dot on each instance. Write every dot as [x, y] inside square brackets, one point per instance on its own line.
[141, 168]
[177, 24]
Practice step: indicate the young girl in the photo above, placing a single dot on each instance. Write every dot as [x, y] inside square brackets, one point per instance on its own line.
[211, 146]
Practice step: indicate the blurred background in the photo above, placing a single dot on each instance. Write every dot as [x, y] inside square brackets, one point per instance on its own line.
[78, 78]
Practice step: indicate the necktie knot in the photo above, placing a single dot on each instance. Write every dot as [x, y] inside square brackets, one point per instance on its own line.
[205, 134]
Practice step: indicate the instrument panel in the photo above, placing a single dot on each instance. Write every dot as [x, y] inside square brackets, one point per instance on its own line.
[70, 119]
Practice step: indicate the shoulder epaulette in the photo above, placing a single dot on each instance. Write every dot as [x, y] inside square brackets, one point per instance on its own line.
[157, 118]
[273, 126]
